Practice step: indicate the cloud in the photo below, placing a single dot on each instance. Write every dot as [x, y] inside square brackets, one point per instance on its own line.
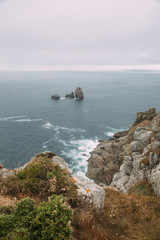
[79, 32]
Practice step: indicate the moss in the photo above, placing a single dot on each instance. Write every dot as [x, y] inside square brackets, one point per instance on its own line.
[142, 188]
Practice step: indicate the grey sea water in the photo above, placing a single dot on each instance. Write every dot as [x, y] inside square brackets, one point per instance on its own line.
[31, 122]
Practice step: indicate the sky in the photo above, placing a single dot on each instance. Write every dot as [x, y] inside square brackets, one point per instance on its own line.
[79, 34]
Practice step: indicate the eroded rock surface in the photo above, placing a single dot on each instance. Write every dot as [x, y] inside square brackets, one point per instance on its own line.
[130, 157]
[55, 97]
[106, 159]
[79, 93]
[71, 95]
[89, 193]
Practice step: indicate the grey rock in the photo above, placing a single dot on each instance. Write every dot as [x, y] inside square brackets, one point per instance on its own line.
[79, 93]
[71, 95]
[148, 115]
[90, 193]
[62, 164]
[48, 154]
[1, 166]
[136, 146]
[142, 135]
[55, 97]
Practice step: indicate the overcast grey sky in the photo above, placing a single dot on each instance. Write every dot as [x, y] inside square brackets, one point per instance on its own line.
[79, 34]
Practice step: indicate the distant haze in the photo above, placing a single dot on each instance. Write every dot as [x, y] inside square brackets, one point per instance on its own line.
[79, 34]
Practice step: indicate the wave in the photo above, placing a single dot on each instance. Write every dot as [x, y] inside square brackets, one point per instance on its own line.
[10, 118]
[49, 125]
[78, 152]
[28, 120]
[46, 142]
[110, 134]
[111, 131]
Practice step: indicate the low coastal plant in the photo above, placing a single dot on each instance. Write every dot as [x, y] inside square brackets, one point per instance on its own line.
[49, 220]
[40, 178]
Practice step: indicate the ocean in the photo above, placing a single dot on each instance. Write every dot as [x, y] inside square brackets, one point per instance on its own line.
[31, 122]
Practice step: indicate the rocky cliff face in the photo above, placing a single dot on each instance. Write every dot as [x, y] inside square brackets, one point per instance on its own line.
[130, 156]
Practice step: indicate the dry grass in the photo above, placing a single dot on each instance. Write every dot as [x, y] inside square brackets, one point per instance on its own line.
[124, 217]
[39, 179]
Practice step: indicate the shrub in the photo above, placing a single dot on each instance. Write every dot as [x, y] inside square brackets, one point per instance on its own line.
[49, 220]
[6, 210]
[40, 178]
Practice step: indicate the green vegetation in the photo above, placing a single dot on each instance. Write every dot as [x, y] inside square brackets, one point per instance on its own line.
[41, 178]
[49, 220]
[142, 188]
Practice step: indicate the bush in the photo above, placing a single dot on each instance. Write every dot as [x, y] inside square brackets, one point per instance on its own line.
[40, 178]
[49, 220]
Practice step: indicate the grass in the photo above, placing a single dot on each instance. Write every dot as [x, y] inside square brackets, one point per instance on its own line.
[39, 179]
[124, 217]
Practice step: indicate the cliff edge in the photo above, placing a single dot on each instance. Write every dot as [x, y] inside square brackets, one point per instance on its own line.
[130, 156]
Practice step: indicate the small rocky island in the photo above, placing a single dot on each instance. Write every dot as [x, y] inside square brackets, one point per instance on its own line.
[78, 94]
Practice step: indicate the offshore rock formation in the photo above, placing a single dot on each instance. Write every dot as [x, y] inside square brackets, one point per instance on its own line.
[130, 156]
[79, 93]
[55, 97]
[71, 95]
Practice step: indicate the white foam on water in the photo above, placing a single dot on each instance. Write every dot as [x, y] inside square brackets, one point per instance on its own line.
[10, 118]
[78, 151]
[110, 134]
[63, 142]
[48, 125]
[62, 98]
[28, 120]
[46, 142]
[111, 131]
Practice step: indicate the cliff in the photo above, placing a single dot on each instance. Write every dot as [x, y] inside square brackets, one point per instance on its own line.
[130, 156]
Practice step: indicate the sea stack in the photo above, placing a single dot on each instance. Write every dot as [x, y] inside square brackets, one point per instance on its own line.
[55, 97]
[79, 93]
[71, 95]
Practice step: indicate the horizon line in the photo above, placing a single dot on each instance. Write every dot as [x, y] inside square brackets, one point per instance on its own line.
[149, 67]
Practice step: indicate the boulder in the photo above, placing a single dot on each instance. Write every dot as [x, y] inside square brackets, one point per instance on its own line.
[71, 95]
[79, 93]
[89, 193]
[55, 97]
[1, 166]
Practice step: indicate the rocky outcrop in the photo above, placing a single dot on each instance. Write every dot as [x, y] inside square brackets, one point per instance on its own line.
[71, 95]
[106, 159]
[4, 172]
[79, 93]
[148, 115]
[1, 166]
[89, 193]
[136, 155]
[55, 97]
